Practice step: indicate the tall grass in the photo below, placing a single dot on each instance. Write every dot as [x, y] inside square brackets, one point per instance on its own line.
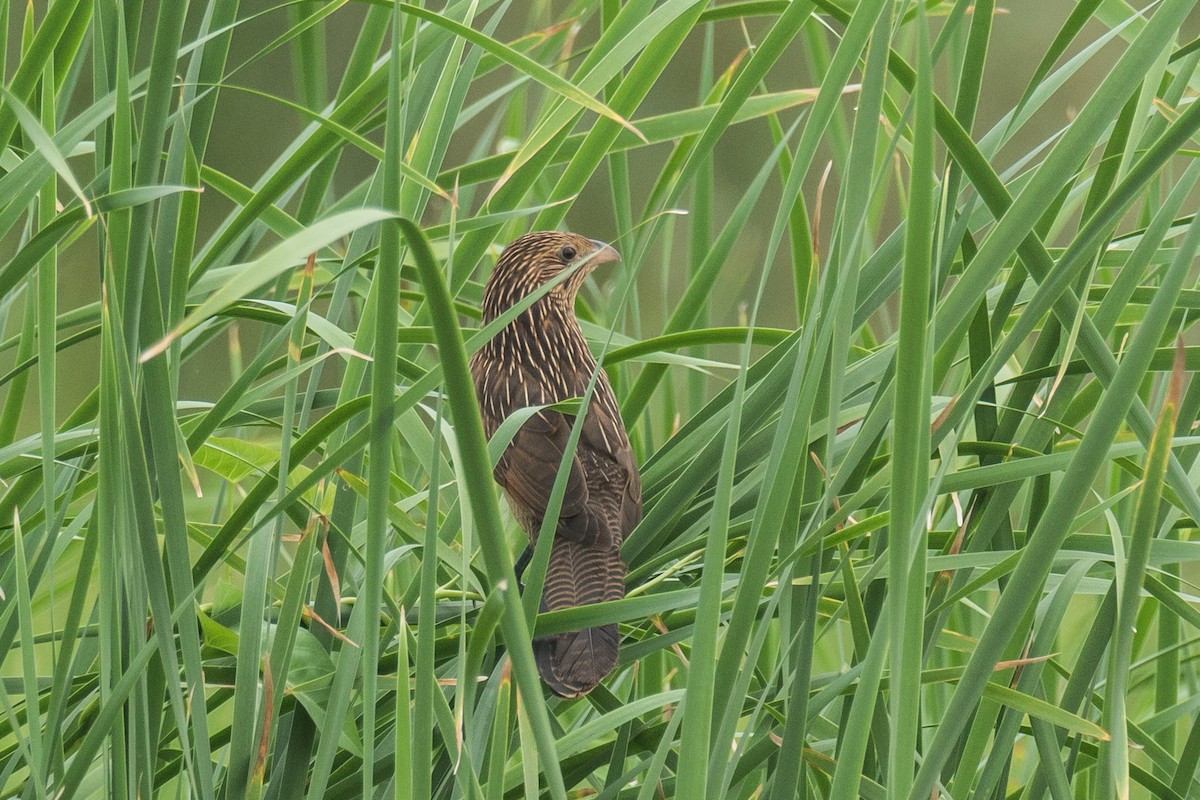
[910, 392]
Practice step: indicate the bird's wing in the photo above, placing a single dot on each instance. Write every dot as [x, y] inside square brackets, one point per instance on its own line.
[527, 471]
[631, 497]
[613, 481]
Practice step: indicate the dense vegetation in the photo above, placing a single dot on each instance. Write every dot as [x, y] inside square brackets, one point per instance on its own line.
[914, 417]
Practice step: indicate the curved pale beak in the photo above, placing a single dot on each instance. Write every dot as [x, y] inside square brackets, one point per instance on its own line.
[603, 254]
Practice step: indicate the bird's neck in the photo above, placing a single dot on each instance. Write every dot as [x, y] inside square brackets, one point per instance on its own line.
[546, 343]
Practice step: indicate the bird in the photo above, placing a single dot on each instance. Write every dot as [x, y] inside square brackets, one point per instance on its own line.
[538, 359]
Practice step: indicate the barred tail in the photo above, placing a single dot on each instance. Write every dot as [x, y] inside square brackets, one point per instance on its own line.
[574, 662]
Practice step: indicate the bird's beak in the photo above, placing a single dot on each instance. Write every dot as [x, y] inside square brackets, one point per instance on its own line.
[603, 254]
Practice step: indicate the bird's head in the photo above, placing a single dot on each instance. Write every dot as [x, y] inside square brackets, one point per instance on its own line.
[534, 259]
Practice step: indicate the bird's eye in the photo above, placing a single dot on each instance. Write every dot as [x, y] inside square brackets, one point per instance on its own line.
[567, 253]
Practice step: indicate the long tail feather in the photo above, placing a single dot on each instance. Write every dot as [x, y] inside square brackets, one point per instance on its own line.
[574, 662]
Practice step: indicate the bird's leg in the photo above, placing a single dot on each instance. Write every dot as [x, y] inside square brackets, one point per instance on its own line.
[522, 563]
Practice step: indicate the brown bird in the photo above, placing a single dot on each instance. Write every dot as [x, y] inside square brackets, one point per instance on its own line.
[538, 359]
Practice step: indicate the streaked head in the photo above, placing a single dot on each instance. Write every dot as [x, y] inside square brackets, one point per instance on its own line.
[535, 258]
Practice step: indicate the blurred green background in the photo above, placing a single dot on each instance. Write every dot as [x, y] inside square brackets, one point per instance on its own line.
[250, 131]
